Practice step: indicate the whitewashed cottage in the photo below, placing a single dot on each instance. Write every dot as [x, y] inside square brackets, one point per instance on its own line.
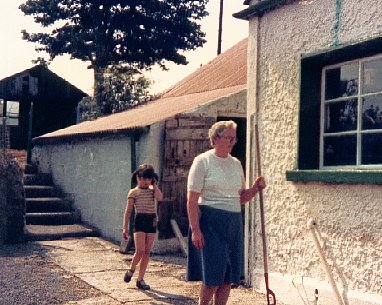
[315, 90]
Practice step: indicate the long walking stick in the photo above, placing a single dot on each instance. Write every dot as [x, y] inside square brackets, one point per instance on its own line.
[271, 298]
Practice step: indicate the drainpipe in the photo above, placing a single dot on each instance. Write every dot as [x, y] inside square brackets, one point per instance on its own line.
[133, 152]
[133, 159]
[311, 224]
[337, 24]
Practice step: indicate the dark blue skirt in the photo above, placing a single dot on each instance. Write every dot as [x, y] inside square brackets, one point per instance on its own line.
[221, 259]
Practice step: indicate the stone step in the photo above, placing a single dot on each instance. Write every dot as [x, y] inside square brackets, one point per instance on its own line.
[38, 232]
[49, 216]
[47, 204]
[30, 169]
[33, 191]
[40, 179]
[53, 218]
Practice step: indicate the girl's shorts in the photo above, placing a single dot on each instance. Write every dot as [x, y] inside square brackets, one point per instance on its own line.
[146, 223]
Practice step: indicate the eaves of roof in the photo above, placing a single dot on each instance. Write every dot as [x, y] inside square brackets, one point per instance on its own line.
[138, 118]
[259, 9]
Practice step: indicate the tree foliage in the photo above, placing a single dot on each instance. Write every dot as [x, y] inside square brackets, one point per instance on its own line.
[87, 109]
[122, 88]
[105, 33]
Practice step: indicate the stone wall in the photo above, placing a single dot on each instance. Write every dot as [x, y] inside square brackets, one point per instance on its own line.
[12, 203]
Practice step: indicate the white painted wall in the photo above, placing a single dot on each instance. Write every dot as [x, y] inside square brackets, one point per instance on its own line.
[349, 217]
[150, 147]
[96, 174]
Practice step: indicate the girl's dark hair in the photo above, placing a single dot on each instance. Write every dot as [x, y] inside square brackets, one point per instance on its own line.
[144, 171]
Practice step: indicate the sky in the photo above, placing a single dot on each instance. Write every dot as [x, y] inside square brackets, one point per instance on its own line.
[16, 54]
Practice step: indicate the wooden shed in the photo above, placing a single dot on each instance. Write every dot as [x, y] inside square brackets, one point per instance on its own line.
[54, 102]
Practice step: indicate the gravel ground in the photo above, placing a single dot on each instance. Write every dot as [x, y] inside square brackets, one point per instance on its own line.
[31, 279]
[89, 271]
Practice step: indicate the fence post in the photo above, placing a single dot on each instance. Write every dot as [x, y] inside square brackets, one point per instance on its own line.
[29, 145]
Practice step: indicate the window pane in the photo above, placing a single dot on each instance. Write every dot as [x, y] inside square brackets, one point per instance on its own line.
[372, 76]
[341, 81]
[372, 148]
[341, 116]
[340, 150]
[372, 112]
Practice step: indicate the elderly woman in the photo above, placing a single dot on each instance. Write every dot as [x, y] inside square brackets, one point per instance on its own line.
[216, 191]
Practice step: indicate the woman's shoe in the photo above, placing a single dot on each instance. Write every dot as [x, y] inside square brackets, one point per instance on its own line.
[142, 285]
[128, 275]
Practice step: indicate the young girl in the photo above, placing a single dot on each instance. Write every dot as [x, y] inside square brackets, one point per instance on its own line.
[142, 197]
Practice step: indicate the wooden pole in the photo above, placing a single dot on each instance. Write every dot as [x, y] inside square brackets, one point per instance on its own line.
[179, 235]
[271, 298]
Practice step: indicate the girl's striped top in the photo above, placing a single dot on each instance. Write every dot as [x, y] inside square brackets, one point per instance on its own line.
[143, 200]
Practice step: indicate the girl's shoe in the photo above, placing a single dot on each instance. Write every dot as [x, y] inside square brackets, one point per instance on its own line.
[142, 285]
[128, 275]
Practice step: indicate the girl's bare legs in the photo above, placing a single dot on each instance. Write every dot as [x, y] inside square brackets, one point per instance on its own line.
[146, 242]
[139, 241]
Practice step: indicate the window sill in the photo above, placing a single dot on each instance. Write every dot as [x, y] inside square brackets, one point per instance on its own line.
[336, 176]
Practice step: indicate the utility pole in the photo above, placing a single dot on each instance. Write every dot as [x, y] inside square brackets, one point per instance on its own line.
[220, 27]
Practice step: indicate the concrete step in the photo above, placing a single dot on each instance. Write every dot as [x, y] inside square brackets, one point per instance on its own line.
[33, 191]
[30, 169]
[40, 179]
[38, 232]
[49, 214]
[47, 204]
[53, 218]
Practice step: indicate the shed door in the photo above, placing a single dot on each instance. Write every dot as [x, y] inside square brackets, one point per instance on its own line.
[185, 138]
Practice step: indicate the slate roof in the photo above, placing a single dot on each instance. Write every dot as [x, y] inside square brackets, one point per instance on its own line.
[223, 76]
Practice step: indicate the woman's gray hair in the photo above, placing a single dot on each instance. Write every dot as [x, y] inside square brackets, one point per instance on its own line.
[217, 129]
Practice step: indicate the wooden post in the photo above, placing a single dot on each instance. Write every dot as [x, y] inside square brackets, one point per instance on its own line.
[178, 234]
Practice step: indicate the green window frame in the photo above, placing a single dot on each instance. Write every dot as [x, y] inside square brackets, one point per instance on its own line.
[351, 115]
[310, 166]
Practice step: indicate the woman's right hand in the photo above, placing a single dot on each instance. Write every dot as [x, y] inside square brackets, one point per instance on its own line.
[197, 239]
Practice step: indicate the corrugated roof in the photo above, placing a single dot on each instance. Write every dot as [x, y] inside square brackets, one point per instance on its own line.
[222, 77]
[226, 70]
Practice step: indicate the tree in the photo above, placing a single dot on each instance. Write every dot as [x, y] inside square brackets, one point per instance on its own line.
[41, 61]
[140, 33]
[87, 109]
[123, 87]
